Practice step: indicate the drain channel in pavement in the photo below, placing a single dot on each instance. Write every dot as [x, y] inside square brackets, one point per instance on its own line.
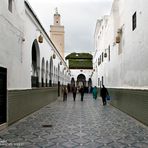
[47, 125]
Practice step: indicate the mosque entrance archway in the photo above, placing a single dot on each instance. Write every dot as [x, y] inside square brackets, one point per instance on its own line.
[81, 80]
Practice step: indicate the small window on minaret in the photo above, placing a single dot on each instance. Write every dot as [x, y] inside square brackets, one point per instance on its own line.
[10, 5]
[56, 21]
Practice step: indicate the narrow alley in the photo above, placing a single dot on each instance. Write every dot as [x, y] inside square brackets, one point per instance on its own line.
[69, 124]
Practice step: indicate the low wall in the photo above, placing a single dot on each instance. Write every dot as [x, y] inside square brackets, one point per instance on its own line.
[133, 102]
[24, 102]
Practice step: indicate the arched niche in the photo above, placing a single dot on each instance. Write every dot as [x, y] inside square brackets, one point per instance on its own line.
[47, 71]
[51, 72]
[35, 64]
[43, 72]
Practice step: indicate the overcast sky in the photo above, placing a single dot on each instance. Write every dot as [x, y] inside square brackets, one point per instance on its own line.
[79, 18]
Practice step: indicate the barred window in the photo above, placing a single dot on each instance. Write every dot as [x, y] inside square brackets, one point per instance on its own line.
[98, 81]
[134, 21]
[10, 5]
[102, 56]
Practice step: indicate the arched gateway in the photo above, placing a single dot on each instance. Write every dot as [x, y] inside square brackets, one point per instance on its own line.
[81, 80]
[35, 64]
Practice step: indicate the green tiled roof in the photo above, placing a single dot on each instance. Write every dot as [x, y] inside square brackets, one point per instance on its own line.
[80, 60]
[80, 64]
[75, 55]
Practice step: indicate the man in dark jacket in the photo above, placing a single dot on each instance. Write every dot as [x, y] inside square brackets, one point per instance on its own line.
[82, 92]
[74, 91]
[104, 93]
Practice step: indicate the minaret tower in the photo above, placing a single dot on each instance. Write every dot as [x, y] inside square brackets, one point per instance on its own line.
[57, 33]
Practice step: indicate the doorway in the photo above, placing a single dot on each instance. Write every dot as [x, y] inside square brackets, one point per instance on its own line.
[3, 95]
[35, 64]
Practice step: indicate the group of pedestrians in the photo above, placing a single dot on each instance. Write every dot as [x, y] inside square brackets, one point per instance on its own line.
[103, 93]
[74, 92]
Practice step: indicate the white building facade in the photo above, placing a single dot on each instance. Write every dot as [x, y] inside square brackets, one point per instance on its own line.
[29, 61]
[126, 63]
[121, 55]
[76, 73]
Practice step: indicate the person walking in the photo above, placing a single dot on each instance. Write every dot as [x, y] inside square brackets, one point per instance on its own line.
[74, 91]
[95, 92]
[64, 93]
[68, 87]
[104, 93]
[82, 92]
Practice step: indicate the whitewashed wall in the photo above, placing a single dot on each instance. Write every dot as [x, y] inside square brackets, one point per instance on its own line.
[11, 34]
[130, 68]
[18, 30]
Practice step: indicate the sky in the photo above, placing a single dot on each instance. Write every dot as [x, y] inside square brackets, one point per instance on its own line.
[79, 18]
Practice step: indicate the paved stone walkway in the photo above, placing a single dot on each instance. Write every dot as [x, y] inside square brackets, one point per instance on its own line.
[78, 124]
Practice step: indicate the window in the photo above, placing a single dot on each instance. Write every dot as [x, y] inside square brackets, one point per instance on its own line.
[134, 21]
[102, 56]
[109, 53]
[98, 81]
[102, 81]
[99, 61]
[10, 5]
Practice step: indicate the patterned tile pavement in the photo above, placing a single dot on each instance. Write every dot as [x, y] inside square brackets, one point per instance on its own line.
[77, 124]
